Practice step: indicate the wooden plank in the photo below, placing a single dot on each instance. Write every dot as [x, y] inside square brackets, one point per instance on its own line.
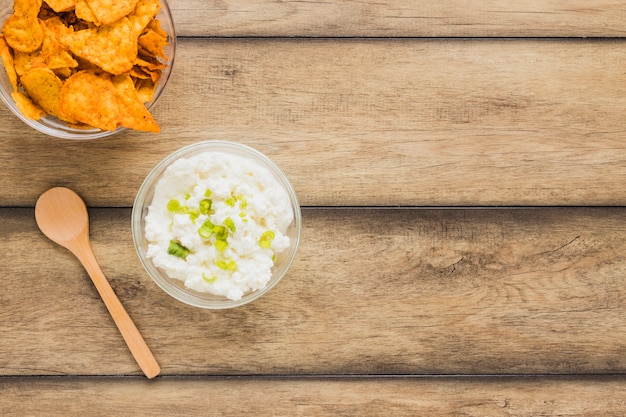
[370, 123]
[401, 18]
[436, 397]
[496, 291]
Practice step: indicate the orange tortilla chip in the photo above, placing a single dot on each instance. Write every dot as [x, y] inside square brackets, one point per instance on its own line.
[84, 12]
[145, 90]
[23, 62]
[111, 47]
[90, 98]
[53, 55]
[26, 106]
[145, 11]
[9, 64]
[44, 88]
[23, 33]
[27, 7]
[153, 43]
[61, 5]
[132, 112]
[110, 11]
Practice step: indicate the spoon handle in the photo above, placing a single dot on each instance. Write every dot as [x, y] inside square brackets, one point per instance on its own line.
[137, 345]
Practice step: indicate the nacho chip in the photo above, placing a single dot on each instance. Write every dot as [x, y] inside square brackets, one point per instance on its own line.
[23, 62]
[26, 106]
[155, 25]
[84, 12]
[145, 11]
[153, 43]
[90, 98]
[23, 33]
[44, 88]
[53, 55]
[145, 90]
[61, 5]
[9, 64]
[111, 47]
[132, 112]
[27, 7]
[110, 11]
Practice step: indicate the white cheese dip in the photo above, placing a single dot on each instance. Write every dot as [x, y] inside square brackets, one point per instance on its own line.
[217, 222]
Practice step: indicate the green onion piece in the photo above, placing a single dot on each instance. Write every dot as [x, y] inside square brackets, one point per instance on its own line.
[228, 222]
[173, 206]
[231, 201]
[208, 193]
[242, 202]
[178, 250]
[209, 280]
[221, 233]
[221, 245]
[205, 206]
[226, 264]
[265, 241]
[206, 230]
[187, 196]
[193, 214]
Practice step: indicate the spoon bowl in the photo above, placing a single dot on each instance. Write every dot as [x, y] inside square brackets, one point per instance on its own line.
[62, 216]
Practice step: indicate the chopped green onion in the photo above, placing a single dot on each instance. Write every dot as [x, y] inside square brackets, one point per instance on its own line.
[226, 264]
[206, 230]
[173, 206]
[265, 241]
[221, 233]
[209, 280]
[205, 206]
[231, 201]
[221, 245]
[228, 222]
[178, 250]
[208, 193]
[187, 196]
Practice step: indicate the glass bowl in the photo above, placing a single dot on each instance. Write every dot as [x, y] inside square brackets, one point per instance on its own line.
[176, 287]
[54, 127]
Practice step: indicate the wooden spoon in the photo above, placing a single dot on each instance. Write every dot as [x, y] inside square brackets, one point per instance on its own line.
[62, 216]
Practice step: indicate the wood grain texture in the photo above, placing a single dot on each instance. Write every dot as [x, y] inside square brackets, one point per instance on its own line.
[497, 291]
[436, 397]
[370, 123]
[400, 18]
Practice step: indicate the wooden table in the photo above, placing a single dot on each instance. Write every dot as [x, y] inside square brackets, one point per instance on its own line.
[462, 171]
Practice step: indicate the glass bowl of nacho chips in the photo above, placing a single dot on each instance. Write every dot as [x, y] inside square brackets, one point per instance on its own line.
[85, 69]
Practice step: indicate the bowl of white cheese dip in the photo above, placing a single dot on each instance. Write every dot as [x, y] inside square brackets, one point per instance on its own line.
[216, 224]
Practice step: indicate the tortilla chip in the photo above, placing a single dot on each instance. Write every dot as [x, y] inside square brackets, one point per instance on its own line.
[53, 55]
[26, 106]
[27, 7]
[23, 33]
[9, 64]
[84, 12]
[132, 112]
[61, 5]
[90, 98]
[153, 43]
[23, 62]
[44, 88]
[111, 47]
[110, 11]
[145, 11]
[145, 89]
